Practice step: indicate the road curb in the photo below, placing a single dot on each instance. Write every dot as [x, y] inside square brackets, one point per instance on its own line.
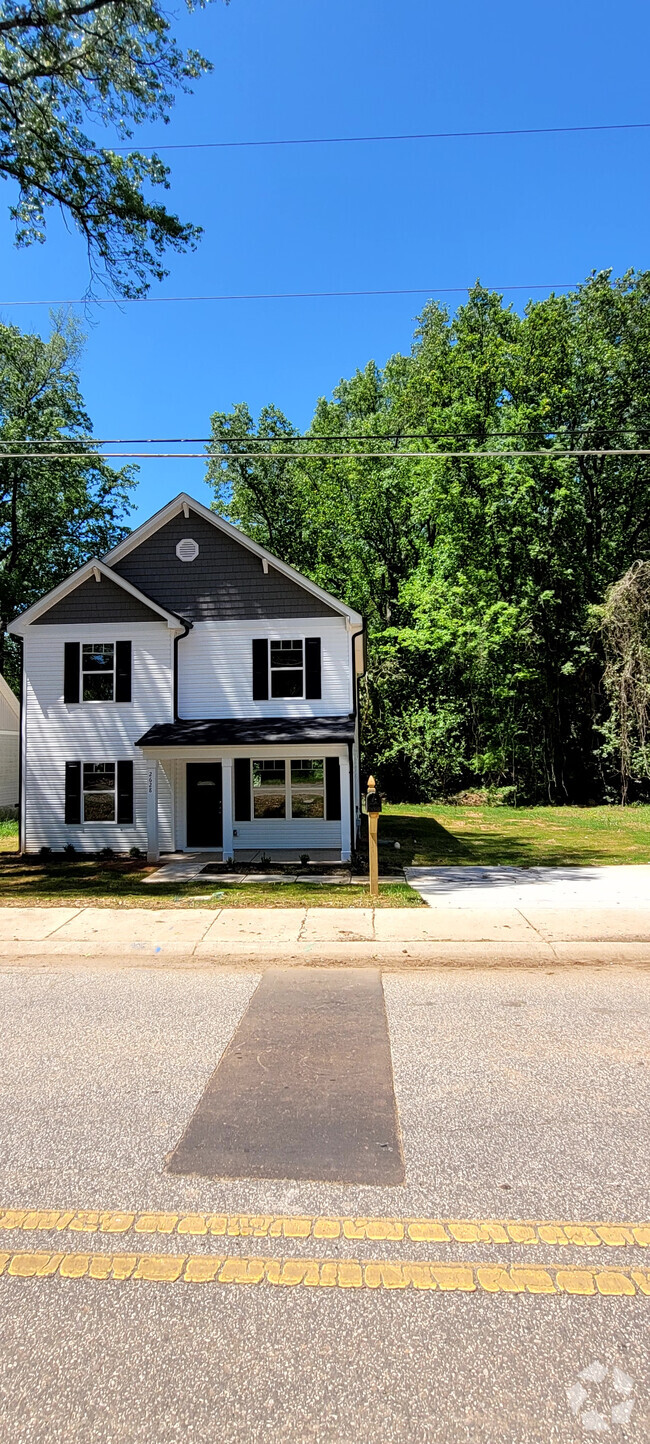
[388, 956]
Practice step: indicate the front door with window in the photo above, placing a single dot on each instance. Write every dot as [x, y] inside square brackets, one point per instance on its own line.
[204, 825]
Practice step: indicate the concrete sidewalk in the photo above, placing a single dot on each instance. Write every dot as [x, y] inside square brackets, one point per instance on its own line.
[257, 938]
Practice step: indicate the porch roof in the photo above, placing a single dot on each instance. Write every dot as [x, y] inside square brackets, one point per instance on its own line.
[249, 731]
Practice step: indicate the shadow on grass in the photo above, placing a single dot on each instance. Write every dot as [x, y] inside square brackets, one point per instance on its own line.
[424, 841]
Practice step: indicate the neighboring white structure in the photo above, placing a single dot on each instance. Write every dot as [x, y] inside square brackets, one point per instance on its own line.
[190, 691]
[9, 746]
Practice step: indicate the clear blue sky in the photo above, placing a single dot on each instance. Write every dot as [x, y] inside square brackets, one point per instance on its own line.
[431, 213]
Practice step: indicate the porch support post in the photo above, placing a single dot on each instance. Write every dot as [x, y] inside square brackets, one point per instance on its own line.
[153, 847]
[346, 820]
[226, 808]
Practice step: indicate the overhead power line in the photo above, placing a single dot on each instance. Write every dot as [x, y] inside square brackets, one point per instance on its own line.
[547, 452]
[290, 295]
[380, 139]
[229, 439]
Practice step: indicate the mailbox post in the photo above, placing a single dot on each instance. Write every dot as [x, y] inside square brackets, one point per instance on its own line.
[373, 809]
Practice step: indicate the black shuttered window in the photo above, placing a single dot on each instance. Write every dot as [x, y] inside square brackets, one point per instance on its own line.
[71, 672]
[125, 790]
[332, 789]
[312, 667]
[122, 671]
[242, 771]
[73, 791]
[260, 669]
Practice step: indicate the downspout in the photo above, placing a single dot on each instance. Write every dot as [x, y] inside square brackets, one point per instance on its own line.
[355, 710]
[187, 627]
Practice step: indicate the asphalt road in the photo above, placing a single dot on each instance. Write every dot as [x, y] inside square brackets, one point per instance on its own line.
[520, 1095]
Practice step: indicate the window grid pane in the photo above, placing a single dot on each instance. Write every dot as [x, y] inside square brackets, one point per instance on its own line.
[98, 672]
[287, 672]
[99, 792]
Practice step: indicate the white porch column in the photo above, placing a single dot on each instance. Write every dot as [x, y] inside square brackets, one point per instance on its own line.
[226, 808]
[153, 847]
[346, 821]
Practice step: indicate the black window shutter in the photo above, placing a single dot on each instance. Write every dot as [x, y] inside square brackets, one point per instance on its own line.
[242, 789]
[122, 671]
[260, 669]
[125, 788]
[312, 667]
[332, 789]
[73, 789]
[71, 672]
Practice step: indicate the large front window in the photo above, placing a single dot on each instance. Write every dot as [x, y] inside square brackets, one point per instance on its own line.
[289, 788]
[99, 792]
[287, 669]
[98, 672]
[269, 789]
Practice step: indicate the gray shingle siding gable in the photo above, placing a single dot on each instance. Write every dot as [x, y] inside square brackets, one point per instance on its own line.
[93, 601]
[225, 582]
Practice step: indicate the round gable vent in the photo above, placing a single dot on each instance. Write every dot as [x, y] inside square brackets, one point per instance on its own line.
[187, 549]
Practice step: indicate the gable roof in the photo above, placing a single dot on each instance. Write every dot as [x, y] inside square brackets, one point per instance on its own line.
[83, 574]
[183, 501]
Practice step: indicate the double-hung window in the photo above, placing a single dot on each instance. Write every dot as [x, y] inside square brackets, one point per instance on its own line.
[98, 672]
[269, 789]
[287, 669]
[307, 788]
[99, 792]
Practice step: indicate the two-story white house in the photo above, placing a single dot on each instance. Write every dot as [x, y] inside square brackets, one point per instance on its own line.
[189, 691]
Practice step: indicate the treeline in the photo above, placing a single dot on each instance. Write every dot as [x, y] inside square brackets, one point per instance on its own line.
[480, 575]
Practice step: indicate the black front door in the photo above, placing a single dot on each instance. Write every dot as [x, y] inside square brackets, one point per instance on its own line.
[204, 804]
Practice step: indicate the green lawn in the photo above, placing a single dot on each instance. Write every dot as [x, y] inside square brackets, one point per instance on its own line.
[122, 884]
[520, 836]
[427, 833]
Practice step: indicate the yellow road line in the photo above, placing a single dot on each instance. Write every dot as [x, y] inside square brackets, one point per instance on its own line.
[274, 1225]
[330, 1273]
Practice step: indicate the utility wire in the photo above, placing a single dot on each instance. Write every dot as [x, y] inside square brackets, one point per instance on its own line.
[376, 139]
[228, 439]
[289, 295]
[550, 455]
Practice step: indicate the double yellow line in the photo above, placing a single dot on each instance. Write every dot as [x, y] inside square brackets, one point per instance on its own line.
[326, 1273]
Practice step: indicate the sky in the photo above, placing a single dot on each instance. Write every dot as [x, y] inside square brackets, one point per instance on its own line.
[519, 211]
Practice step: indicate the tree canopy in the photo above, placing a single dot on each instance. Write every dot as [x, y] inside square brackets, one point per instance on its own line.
[54, 514]
[71, 67]
[478, 574]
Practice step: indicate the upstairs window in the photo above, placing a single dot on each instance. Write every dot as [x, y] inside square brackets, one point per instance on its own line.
[99, 792]
[307, 788]
[98, 672]
[287, 669]
[269, 789]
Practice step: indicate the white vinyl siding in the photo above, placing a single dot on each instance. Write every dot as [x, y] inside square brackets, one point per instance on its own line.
[57, 732]
[215, 669]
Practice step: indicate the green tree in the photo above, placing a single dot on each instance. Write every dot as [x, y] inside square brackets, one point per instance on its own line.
[54, 514]
[71, 67]
[478, 573]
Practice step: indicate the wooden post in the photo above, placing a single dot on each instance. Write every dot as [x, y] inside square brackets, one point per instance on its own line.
[373, 808]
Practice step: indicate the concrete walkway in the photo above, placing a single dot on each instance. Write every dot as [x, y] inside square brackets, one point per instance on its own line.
[449, 932]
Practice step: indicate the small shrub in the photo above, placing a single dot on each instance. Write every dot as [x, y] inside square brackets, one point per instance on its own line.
[45, 853]
[70, 850]
[106, 853]
[265, 861]
[304, 859]
[136, 852]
